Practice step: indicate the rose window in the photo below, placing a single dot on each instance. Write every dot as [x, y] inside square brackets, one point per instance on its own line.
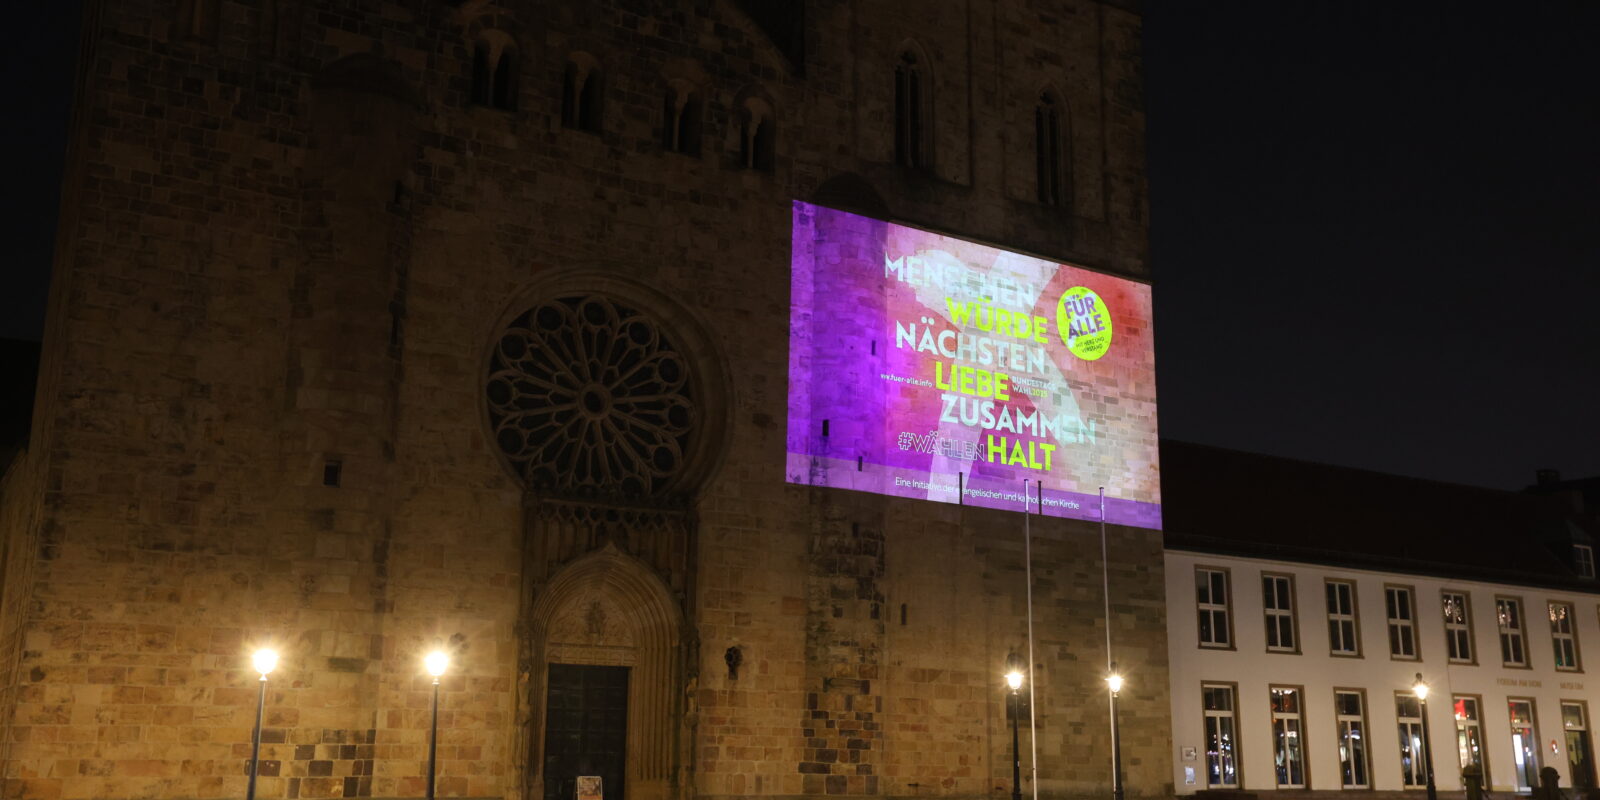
[587, 397]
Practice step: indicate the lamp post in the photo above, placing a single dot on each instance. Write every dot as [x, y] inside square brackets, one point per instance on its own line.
[1421, 690]
[1014, 680]
[436, 662]
[264, 661]
[1114, 681]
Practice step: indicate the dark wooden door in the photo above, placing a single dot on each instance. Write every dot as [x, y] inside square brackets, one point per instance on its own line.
[585, 729]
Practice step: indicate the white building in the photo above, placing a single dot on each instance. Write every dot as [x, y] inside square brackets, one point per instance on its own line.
[1303, 602]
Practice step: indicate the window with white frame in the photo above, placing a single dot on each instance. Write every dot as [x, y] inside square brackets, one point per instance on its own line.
[1288, 738]
[1350, 708]
[1211, 599]
[1564, 636]
[1457, 627]
[1508, 612]
[1583, 560]
[1342, 635]
[1408, 715]
[1222, 741]
[1277, 598]
[1400, 605]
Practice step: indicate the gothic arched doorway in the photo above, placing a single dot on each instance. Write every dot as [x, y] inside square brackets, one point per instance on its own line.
[609, 633]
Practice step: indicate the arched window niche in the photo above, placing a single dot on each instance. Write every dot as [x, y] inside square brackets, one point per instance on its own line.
[582, 93]
[681, 116]
[758, 132]
[913, 103]
[1050, 148]
[494, 71]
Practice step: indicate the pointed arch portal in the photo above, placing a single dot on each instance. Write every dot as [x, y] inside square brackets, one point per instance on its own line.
[604, 636]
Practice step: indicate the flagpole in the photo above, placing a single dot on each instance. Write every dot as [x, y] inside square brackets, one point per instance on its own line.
[1105, 591]
[1033, 718]
[1105, 577]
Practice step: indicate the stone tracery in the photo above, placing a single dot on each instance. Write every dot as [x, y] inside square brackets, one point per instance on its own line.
[587, 397]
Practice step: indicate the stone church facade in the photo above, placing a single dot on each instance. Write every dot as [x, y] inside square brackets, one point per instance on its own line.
[380, 326]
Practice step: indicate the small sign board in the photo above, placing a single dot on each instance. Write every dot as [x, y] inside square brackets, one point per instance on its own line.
[589, 788]
[1189, 754]
[1188, 776]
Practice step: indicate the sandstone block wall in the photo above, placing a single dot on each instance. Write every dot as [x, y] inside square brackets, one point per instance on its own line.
[288, 243]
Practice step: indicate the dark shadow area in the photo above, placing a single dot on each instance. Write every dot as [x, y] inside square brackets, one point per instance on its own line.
[19, 372]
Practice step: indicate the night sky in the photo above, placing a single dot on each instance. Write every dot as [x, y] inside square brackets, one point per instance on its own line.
[1374, 232]
[1373, 226]
[40, 67]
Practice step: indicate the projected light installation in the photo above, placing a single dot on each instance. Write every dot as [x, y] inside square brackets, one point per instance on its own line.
[925, 366]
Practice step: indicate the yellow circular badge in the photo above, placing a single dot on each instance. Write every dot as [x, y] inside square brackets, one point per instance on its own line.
[1084, 322]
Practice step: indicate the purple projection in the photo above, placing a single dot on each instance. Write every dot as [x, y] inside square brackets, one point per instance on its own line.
[925, 366]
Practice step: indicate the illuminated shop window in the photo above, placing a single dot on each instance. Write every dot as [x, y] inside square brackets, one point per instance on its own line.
[1524, 744]
[1222, 740]
[1408, 715]
[1349, 707]
[1288, 738]
[1469, 734]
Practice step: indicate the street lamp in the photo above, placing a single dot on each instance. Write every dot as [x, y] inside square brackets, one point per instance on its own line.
[1421, 690]
[1114, 681]
[1014, 680]
[436, 662]
[264, 661]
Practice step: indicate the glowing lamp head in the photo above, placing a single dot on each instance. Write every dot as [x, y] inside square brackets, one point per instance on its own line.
[265, 660]
[1115, 682]
[1014, 665]
[1420, 688]
[436, 662]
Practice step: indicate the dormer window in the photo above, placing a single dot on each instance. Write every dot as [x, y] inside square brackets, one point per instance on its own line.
[1583, 560]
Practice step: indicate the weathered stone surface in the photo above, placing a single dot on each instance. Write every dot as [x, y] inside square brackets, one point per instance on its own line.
[289, 242]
